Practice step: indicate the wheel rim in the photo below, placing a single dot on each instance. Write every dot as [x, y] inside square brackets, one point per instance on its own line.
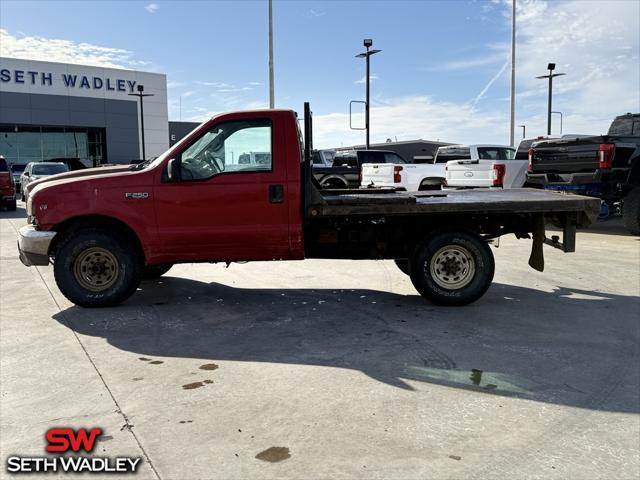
[96, 269]
[452, 267]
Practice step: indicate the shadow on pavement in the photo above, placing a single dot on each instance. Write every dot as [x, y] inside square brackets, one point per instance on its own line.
[567, 347]
[19, 212]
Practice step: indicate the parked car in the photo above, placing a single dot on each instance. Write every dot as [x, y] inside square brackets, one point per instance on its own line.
[71, 163]
[494, 166]
[424, 176]
[346, 167]
[7, 186]
[604, 165]
[16, 171]
[36, 170]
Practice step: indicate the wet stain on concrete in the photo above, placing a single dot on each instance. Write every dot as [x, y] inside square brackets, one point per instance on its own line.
[476, 376]
[186, 421]
[137, 379]
[274, 454]
[207, 381]
[156, 362]
[144, 359]
[455, 457]
[191, 386]
[209, 366]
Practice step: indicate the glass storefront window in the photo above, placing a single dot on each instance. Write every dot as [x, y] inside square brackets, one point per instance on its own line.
[21, 144]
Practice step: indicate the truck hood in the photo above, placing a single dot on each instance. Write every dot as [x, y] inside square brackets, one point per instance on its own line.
[88, 172]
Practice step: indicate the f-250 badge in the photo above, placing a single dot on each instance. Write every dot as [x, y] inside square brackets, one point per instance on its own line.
[136, 195]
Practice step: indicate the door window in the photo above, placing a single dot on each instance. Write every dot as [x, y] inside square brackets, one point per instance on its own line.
[393, 158]
[237, 146]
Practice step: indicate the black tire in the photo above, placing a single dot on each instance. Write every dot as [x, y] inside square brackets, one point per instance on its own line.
[631, 211]
[333, 184]
[111, 252]
[434, 184]
[12, 206]
[452, 268]
[155, 271]
[23, 198]
[403, 265]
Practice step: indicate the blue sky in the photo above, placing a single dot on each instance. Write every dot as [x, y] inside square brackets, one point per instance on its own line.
[443, 72]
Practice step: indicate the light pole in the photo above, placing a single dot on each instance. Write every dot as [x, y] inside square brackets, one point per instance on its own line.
[367, 43]
[524, 130]
[559, 113]
[551, 67]
[141, 96]
[272, 98]
[512, 129]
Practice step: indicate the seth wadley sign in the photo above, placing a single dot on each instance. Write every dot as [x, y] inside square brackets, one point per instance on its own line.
[69, 80]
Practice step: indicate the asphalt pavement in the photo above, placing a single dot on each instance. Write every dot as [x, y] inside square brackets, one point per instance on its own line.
[336, 369]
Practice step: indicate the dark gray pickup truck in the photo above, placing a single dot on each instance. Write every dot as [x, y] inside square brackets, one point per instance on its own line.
[346, 167]
[606, 166]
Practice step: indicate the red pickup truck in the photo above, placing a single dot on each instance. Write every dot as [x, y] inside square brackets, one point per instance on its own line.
[240, 187]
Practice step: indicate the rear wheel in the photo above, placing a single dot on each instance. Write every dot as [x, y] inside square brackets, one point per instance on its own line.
[96, 268]
[631, 211]
[332, 184]
[431, 184]
[156, 271]
[11, 206]
[452, 268]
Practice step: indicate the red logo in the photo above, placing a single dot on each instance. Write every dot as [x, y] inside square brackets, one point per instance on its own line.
[65, 439]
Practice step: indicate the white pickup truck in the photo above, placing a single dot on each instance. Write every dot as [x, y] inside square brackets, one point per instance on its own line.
[411, 177]
[482, 166]
[486, 166]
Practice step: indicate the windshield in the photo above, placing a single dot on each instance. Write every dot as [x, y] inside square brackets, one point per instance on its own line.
[48, 169]
[17, 168]
[496, 153]
[452, 153]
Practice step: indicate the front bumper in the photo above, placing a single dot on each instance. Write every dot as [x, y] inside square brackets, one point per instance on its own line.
[33, 245]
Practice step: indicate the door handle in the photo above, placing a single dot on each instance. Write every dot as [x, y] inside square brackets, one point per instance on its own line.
[276, 194]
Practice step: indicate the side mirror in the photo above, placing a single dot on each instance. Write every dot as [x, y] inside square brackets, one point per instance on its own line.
[174, 170]
[27, 174]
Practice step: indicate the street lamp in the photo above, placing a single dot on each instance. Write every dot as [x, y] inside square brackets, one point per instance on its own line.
[551, 67]
[141, 96]
[559, 113]
[524, 130]
[368, 43]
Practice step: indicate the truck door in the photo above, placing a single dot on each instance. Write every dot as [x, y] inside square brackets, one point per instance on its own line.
[229, 201]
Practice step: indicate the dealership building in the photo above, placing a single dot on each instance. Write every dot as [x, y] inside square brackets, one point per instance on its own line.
[55, 111]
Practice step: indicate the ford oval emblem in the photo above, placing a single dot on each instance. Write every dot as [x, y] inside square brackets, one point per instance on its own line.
[468, 174]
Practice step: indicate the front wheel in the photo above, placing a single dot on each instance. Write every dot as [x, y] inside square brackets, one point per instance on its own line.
[452, 268]
[96, 268]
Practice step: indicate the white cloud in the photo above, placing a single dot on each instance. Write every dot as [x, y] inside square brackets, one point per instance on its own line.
[596, 43]
[65, 51]
[372, 77]
[413, 117]
[152, 7]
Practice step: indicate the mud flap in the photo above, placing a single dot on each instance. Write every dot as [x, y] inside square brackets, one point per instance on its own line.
[536, 259]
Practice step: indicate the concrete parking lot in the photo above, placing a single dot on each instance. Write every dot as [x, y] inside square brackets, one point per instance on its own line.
[341, 364]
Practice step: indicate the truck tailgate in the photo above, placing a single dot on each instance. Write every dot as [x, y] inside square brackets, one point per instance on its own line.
[377, 174]
[565, 159]
[469, 173]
